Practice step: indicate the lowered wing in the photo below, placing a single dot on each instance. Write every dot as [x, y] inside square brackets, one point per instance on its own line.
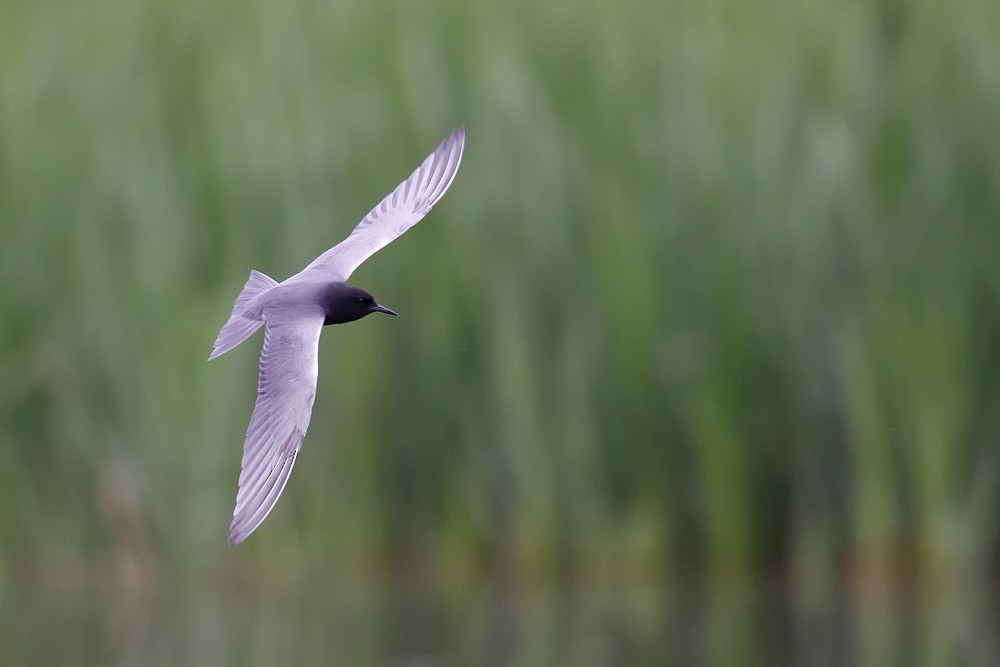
[285, 392]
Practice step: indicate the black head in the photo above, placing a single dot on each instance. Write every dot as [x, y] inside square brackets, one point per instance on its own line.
[343, 303]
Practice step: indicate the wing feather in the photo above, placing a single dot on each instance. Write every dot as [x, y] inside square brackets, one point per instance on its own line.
[401, 209]
[285, 391]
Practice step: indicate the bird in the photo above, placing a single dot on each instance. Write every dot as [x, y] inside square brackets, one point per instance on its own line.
[294, 312]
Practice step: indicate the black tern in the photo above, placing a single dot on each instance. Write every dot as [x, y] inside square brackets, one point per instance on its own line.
[293, 313]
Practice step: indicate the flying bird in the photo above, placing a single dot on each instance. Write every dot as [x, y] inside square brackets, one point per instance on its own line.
[294, 312]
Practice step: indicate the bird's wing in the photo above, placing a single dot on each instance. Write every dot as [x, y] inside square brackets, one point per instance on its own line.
[403, 208]
[285, 392]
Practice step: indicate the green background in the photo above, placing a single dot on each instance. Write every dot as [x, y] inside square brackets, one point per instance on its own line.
[698, 360]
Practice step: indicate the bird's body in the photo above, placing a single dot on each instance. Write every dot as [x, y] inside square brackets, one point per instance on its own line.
[338, 303]
[293, 313]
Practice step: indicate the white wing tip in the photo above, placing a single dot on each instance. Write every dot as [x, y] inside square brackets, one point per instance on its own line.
[457, 137]
[445, 160]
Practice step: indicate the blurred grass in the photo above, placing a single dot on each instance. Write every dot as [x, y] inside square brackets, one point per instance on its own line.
[698, 359]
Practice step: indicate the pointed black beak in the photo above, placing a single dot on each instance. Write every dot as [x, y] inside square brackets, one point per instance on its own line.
[382, 309]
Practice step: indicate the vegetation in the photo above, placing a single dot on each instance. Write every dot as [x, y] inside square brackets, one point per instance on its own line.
[698, 360]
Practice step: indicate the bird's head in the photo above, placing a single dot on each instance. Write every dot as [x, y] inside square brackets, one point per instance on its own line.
[345, 304]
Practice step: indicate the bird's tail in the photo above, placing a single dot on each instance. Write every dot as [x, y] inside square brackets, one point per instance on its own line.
[242, 323]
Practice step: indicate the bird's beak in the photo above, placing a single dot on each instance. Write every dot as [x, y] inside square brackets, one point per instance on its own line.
[382, 309]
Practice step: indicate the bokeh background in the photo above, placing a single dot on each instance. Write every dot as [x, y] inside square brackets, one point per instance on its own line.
[698, 362]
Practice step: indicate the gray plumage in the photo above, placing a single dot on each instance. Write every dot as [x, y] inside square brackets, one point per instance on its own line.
[293, 313]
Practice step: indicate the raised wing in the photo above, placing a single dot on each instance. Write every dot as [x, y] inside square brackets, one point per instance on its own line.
[403, 208]
[285, 392]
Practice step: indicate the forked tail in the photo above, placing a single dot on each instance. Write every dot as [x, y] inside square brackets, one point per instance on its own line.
[241, 323]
